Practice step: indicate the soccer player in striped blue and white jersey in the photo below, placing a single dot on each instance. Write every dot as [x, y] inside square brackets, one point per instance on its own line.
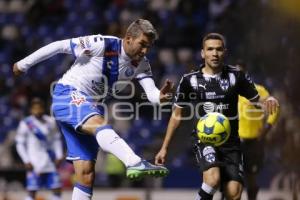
[39, 145]
[101, 63]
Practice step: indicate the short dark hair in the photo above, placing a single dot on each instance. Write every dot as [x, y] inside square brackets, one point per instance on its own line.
[214, 36]
[141, 26]
[37, 101]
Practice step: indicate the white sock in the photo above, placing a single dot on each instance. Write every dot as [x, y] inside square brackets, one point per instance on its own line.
[205, 192]
[56, 197]
[29, 198]
[198, 197]
[111, 142]
[79, 194]
[208, 189]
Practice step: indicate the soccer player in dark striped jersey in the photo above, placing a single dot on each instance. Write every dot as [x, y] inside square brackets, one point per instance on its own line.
[215, 88]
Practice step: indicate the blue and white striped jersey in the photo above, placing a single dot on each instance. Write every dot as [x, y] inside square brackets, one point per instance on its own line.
[39, 143]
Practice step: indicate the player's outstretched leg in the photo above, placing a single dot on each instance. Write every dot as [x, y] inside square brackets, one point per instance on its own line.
[137, 168]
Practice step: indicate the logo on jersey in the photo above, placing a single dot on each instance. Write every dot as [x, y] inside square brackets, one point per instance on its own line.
[202, 86]
[129, 72]
[87, 42]
[213, 95]
[110, 53]
[224, 84]
[209, 107]
[81, 42]
[220, 107]
[109, 64]
[77, 98]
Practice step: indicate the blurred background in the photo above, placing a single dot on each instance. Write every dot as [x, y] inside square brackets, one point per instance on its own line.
[263, 34]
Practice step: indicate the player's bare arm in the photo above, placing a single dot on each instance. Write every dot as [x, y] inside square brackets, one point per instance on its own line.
[172, 126]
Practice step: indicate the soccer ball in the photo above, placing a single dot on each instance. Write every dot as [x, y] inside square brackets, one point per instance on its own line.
[213, 129]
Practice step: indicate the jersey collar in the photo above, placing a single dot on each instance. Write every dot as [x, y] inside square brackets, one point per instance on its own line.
[124, 56]
[211, 76]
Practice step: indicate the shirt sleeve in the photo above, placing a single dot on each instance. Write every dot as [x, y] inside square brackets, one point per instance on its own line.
[44, 53]
[183, 92]
[246, 87]
[151, 90]
[272, 119]
[262, 91]
[21, 138]
[92, 45]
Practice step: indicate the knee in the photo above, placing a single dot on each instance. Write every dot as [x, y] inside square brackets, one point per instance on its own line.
[213, 181]
[234, 193]
[212, 177]
[91, 125]
[85, 177]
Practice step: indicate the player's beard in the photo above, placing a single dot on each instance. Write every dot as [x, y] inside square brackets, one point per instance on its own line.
[137, 57]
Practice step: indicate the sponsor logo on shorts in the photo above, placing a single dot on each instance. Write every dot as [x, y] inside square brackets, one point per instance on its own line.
[208, 150]
[209, 154]
[210, 158]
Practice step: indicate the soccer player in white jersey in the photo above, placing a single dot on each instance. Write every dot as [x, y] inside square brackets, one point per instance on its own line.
[40, 148]
[101, 63]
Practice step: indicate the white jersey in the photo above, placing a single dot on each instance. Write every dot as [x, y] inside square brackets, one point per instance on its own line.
[98, 60]
[38, 141]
